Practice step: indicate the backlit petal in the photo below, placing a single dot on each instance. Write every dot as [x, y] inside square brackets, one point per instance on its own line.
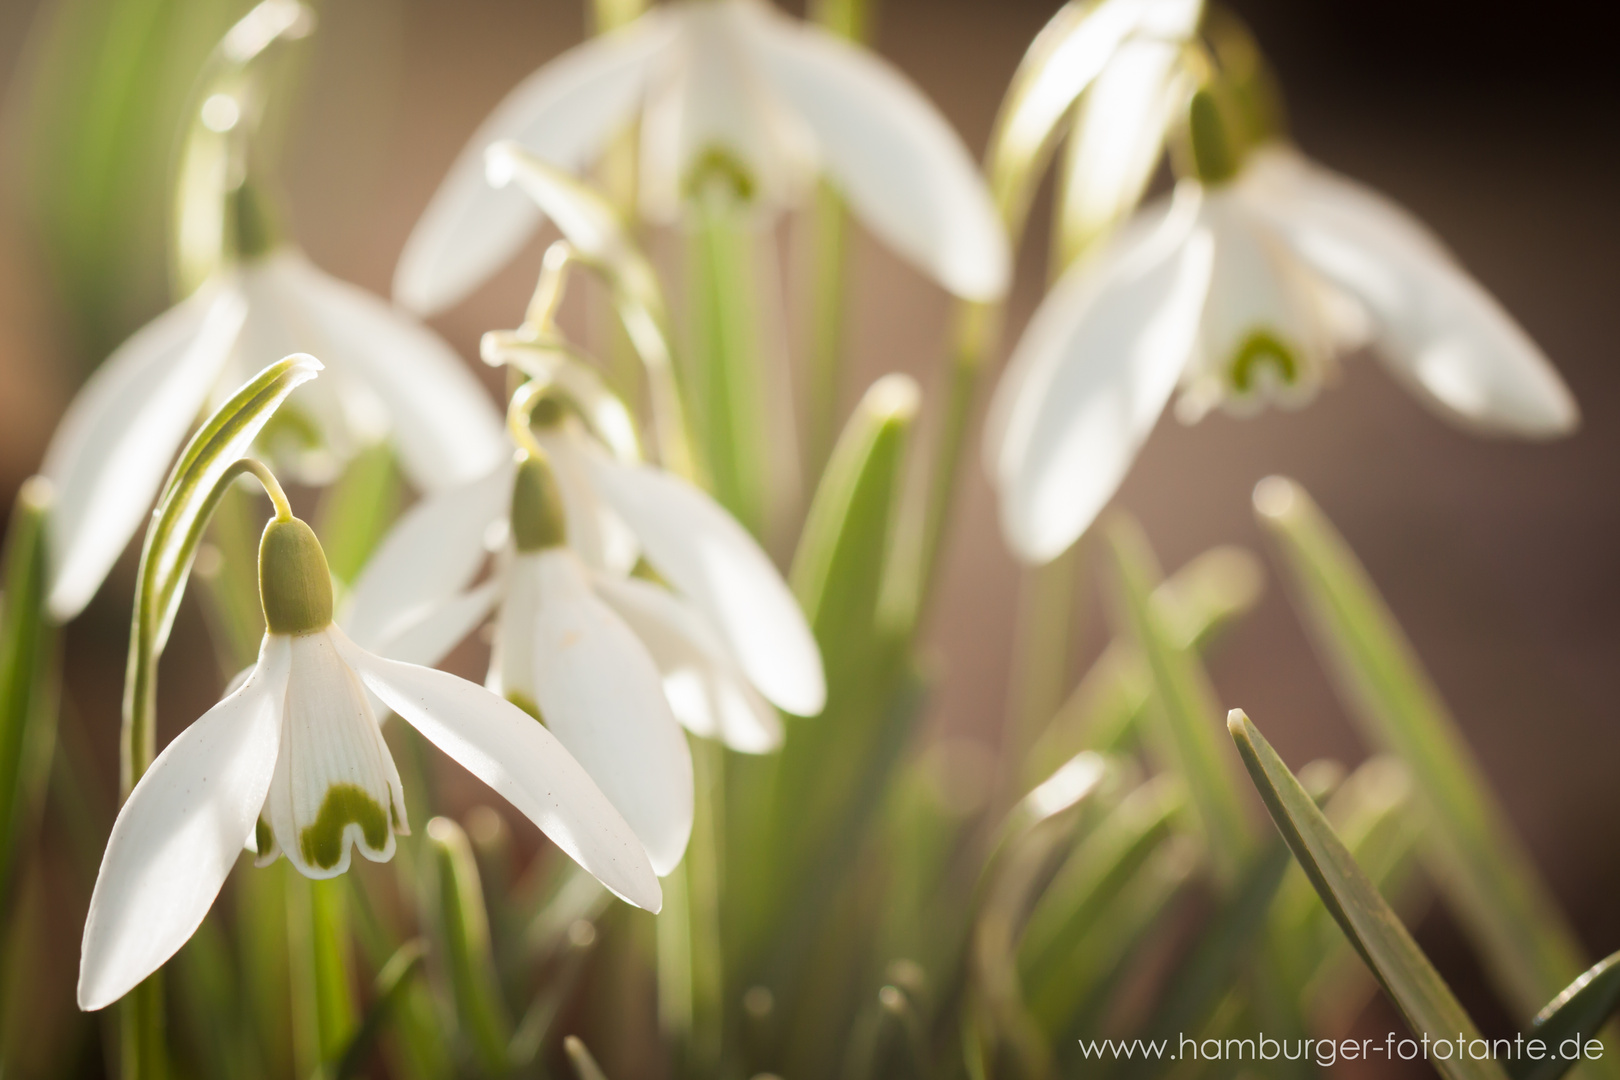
[904, 171]
[1091, 375]
[707, 691]
[566, 112]
[180, 833]
[505, 748]
[443, 423]
[433, 552]
[1434, 325]
[709, 558]
[113, 448]
[600, 693]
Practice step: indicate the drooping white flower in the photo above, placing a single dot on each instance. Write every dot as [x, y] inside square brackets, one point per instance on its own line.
[386, 376]
[726, 634]
[730, 81]
[293, 760]
[1242, 292]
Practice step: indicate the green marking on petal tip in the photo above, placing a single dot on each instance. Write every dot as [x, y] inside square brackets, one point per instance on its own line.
[1260, 349]
[322, 842]
[263, 838]
[719, 167]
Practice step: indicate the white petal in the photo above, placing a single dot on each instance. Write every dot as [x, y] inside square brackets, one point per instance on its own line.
[565, 112]
[335, 785]
[179, 834]
[599, 536]
[895, 158]
[431, 554]
[600, 693]
[1072, 51]
[1091, 375]
[505, 748]
[440, 629]
[113, 447]
[444, 425]
[1118, 136]
[1435, 326]
[707, 691]
[702, 551]
[514, 651]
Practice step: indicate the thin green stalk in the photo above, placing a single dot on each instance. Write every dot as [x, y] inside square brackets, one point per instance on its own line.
[725, 375]
[705, 874]
[28, 674]
[828, 229]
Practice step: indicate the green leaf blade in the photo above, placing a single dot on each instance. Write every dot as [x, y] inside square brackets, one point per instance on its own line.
[1372, 926]
[1480, 863]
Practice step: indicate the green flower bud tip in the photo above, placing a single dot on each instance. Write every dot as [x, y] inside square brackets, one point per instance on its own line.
[538, 518]
[295, 585]
[1214, 148]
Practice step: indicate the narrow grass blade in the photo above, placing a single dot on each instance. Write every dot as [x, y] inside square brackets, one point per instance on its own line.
[1197, 602]
[1480, 864]
[725, 376]
[1411, 982]
[1572, 1019]
[387, 992]
[1184, 704]
[465, 923]
[585, 1066]
[28, 674]
[1097, 872]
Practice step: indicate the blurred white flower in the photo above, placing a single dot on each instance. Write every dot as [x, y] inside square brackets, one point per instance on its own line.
[1241, 292]
[386, 376]
[731, 84]
[294, 761]
[726, 634]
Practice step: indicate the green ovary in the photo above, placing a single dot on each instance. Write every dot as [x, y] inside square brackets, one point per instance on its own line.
[1262, 349]
[322, 842]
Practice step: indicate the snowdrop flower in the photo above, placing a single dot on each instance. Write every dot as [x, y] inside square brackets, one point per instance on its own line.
[726, 635]
[730, 85]
[386, 375]
[293, 760]
[1242, 290]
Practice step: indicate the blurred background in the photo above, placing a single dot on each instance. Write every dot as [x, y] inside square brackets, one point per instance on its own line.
[1494, 123]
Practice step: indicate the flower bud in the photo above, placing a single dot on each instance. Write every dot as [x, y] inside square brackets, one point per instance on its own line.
[538, 518]
[295, 586]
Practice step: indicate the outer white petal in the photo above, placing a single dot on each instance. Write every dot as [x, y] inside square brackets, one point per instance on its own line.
[905, 172]
[1097, 363]
[706, 689]
[113, 448]
[179, 834]
[432, 553]
[1073, 50]
[505, 748]
[565, 112]
[332, 757]
[444, 425]
[702, 551]
[430, 638]
[1118, 136]
[1435, 326]
[600, 693]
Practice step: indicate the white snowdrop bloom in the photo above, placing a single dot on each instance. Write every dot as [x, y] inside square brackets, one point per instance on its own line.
[726, 634]
[1242, 291]
[293, 760]
[733, 85]
[386, 376]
